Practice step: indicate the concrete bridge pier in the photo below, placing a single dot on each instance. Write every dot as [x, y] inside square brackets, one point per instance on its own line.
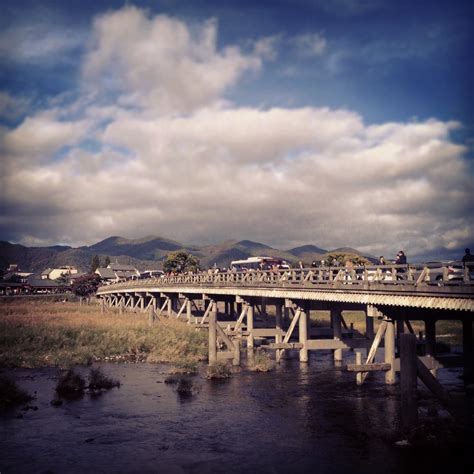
[468, 350]
[188, 311]
[238, 306]
[250, 316]
[389, 339]
[430, 335]
[303, 332]
[336, 323]
[213, 333]
[278, 327]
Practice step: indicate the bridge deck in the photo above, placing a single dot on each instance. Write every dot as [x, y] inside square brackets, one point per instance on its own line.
[407, 289]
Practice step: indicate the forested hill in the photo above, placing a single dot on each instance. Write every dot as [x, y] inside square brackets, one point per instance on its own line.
[147, 253]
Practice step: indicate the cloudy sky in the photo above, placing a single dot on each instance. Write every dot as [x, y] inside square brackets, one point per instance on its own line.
[289, 122]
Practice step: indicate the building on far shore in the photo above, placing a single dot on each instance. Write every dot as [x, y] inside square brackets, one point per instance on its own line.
[55, 273]
[115, 272]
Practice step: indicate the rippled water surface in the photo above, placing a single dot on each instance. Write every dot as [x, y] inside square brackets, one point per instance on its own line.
[298, 418]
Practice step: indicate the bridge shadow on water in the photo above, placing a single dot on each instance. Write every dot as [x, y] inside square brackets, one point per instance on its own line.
[297, 418]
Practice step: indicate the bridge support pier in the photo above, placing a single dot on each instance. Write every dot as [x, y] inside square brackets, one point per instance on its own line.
[337, 331]
[430, 334]
[188, 311]
[151, 316]
[369, 327]
[390, 351]
[408, 380]
[468, 350]
[250, 338]
[303, 334]
[213, 334]
[278, 326]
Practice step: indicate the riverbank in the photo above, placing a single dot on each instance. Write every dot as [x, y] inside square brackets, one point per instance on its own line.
[62, 334]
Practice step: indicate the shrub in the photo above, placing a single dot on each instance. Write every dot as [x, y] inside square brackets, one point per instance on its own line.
[186, 387]
[71, 385]
[220, 370]
[11, 394]
[262, 362]
[99, 381]
[189, 367]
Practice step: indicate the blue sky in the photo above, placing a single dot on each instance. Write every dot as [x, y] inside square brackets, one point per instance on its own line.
[343, 94]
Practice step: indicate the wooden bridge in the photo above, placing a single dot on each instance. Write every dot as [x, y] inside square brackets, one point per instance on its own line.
[240, 309]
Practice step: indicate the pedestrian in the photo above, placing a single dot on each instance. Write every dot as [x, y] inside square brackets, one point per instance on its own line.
[468, 259]
[382, 260]
[401, 258]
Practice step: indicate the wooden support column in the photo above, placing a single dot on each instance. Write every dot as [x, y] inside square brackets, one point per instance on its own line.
[151, 315]
[430, 334]
[250, 339]
[467, 348]
[236, 359]
[337, 330]
[264, 308]
[400, 327]
[188, 310]
[359, 379]
[238, 308]
[213, 334]
[278, 326]
[102, 305]
[390, 351]
[408, 380]
[170, 307]
[303, 334]
[369, 321]
[286, 311]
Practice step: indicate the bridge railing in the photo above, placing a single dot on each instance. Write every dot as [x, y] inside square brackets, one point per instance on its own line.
[361, 276]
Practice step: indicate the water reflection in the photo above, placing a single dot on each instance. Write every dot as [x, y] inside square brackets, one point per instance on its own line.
[298, 418]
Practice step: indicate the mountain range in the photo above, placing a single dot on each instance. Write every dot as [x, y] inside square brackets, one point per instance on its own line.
[149, 252]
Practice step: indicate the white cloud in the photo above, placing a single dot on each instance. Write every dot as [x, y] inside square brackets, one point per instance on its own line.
[311, 44]
[161, 63]
[12, 107]
[39, 42]
[42, 135]
[179, 161]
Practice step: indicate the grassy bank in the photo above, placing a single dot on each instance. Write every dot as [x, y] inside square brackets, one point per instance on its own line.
[35, 334]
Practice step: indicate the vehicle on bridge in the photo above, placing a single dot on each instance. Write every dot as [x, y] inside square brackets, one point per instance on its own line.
[259, 263]
[447, 271]
[151, 274]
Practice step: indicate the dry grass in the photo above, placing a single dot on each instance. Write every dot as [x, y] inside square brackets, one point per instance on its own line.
[262, 362]
[11, 394]
[219, 370]
[36, 334]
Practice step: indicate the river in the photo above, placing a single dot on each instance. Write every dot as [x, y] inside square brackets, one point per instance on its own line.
[298, 418]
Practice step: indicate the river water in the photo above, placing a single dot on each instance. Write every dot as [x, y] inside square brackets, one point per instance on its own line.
[299, 418]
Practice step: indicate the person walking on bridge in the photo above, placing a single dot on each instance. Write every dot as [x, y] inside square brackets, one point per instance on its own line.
[468, 259]
[401, 258]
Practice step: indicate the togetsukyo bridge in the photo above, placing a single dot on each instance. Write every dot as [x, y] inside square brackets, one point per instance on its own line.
[241, 309]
